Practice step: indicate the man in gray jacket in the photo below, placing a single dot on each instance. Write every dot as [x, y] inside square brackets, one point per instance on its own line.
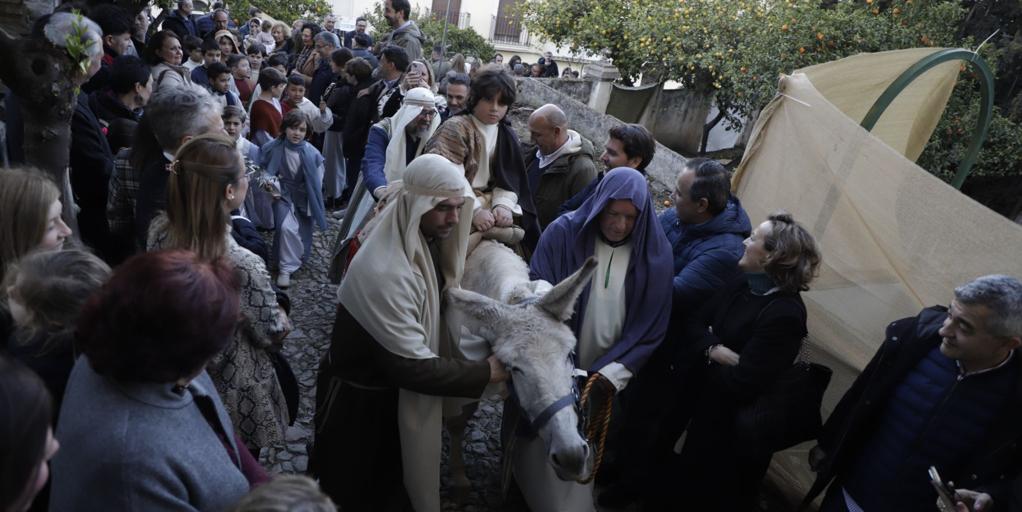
[405, 33]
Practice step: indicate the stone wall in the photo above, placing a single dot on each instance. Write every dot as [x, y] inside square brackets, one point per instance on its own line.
[575, 88]
[676, 117]
[533, 93]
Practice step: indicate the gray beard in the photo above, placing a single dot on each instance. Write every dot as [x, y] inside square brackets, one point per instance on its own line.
[419, 134]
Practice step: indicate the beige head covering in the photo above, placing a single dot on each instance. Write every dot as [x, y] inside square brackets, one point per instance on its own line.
[227, 33]
[411, 106]
[392, 290]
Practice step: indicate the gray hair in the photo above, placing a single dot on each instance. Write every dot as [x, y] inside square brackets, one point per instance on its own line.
[286, 493]
[1003, 295]
[328, 38]
[176, 112]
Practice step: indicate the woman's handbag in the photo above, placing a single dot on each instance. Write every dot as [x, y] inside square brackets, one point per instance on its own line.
[786, 414]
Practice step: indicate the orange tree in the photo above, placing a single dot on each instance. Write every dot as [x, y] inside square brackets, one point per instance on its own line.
[734, 50]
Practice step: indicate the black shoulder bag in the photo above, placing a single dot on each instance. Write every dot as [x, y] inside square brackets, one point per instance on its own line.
[788, 413]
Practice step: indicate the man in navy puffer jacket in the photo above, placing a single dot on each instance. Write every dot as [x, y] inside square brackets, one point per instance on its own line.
[706, 229]
[943, 390]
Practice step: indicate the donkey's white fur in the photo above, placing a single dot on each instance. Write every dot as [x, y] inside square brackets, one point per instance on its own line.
[531, 339]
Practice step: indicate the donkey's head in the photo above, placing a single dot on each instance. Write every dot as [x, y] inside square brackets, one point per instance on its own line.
[532, 340]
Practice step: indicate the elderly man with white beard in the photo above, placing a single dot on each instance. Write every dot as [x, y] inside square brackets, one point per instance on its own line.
[387, 155]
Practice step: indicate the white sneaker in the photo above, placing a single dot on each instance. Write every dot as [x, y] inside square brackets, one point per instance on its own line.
[283, 280]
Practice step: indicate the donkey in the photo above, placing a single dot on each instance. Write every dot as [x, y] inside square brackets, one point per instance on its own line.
[525, 328]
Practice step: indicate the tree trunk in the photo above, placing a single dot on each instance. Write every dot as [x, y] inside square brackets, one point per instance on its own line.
[708, 127]
[44, 82]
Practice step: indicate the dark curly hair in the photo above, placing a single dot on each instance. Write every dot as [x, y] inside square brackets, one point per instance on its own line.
[491, 81]
[155, 44]
[637, 142]
[160, 317]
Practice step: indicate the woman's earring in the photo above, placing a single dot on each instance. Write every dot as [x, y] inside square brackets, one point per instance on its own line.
[231, 197]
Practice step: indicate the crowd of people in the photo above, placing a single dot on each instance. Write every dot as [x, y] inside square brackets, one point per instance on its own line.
[141, 369]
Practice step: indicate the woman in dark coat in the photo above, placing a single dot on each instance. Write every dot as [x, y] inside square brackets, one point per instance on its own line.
[749, 333]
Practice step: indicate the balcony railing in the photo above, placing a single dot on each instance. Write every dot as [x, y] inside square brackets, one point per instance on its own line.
[508, 30]
[460, 19]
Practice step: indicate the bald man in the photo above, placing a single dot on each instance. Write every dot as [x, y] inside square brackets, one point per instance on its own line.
[559, 162]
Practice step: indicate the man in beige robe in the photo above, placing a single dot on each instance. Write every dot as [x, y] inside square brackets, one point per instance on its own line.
[379, 405]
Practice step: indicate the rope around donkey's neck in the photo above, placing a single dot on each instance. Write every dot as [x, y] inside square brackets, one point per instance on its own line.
[598, 424]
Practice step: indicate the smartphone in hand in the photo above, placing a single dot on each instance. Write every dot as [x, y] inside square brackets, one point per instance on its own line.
[946, 495]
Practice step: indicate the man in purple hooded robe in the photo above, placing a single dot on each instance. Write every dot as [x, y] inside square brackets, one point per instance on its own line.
[622, 316]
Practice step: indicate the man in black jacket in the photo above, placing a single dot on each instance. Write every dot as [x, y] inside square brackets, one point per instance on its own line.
[176, 114]
[944, 390]
[387, 91]
[181, 20]
[117, 27]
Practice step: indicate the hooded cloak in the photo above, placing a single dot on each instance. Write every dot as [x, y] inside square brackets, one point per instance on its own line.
[570, 239]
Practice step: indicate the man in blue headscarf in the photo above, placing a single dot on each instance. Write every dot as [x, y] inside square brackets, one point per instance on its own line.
[622, 315]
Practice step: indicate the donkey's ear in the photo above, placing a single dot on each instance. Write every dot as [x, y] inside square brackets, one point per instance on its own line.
[477, 307]
[560, 301]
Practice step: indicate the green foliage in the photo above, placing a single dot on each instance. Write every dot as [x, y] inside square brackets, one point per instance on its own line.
[464, 41]
[1001, 154]
[78, 44]
[735, 50]
[283, 10]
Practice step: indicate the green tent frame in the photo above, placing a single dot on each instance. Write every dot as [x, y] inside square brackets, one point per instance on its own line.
[986, 79]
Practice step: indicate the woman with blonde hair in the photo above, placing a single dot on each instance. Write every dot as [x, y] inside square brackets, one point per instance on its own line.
[286, 493]
[458, 64]
[30, 219]
[208, 180]
[30, 215]
[281, 34]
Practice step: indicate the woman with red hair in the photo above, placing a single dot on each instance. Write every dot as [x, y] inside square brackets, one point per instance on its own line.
[142, 425]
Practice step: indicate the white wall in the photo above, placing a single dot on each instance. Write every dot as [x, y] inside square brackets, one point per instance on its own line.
[481, 13]
[481, 10]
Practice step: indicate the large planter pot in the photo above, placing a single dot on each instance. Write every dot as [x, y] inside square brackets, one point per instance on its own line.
[676, 119]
